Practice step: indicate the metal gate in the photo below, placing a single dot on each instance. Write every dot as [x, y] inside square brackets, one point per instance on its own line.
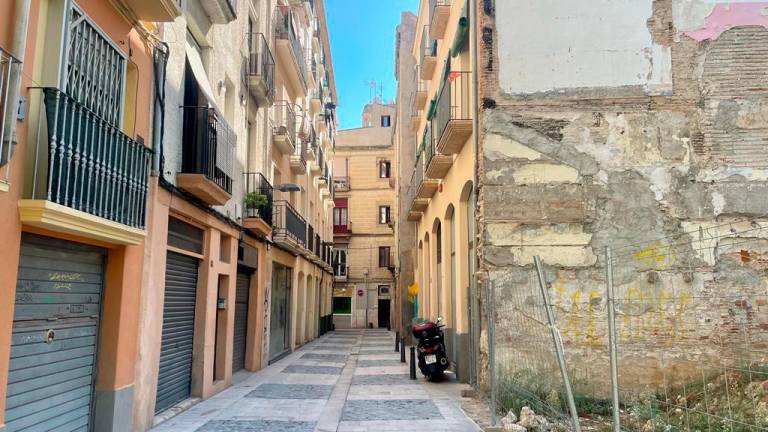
[241, 321]
[54, 341]
[174, 376]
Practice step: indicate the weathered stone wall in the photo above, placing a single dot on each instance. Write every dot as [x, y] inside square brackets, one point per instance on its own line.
[617, 154]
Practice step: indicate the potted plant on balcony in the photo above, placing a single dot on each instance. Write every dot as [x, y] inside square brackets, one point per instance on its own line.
[253, 203]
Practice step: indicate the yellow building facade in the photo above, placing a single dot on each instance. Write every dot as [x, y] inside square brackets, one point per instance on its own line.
[364, 220]
[440, 197]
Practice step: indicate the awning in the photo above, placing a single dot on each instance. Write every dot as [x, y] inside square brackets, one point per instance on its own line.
[196, 64]
[461, 33]
[431, 110]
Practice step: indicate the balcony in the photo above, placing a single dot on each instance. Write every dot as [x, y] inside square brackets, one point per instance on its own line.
[324, 177]
[317, 167]
[453, 114]
[317, 99]
[284, 127]
[317, 252]
[288, 48]
[257, 204]
[427, 55]
[260, 70]
[220, 11]
[342, 231]
[298, 160]
[87, 178]
[289, 228]
[208, 157]
[341, 184]
[327, 255]
[437, 164]
[425, 187]
[155, 10]
[420, 89]
[440, 11]
[312, 148]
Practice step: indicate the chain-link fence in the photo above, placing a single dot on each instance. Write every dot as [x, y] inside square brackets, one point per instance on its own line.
[668, 334]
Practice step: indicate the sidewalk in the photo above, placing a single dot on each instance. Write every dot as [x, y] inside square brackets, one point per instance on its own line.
[345, 381]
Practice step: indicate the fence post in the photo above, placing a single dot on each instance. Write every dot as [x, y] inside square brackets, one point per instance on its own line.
[557, 342]
[491, 347]
[612, 339]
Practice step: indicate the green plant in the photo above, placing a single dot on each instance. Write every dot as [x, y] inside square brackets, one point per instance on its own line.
[255, 199]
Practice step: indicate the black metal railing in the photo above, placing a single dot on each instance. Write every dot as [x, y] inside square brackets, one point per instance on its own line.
[312, 140]
[209, 145]
[318, 245]
[288, 223]
[88, 164]
[310, 238]
[453, 102]
[428, 45]
[284, 29]
[320, 157]
[284, 120]
[428, 144]
[328, 252]
[301, 153]
[257, 202]
[260, 62]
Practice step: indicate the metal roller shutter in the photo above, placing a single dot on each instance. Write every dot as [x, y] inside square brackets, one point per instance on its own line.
[241, 321]
[54, 341]
[175, 372]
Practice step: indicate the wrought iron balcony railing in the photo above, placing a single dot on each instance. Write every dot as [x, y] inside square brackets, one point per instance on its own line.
[260, 67]
[284, 121]
[284, 29]
[311, 238]
[288, 223]
[258, 197]
[453, 115]
[209, 146]
[427, 54]
[318, 246]
[86, 163]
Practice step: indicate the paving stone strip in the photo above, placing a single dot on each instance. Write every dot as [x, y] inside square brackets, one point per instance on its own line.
[312, 370]
[291, 391]
[256, 426]
[330, 357]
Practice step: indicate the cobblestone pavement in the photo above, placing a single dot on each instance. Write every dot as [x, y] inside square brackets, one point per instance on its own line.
[346, 381]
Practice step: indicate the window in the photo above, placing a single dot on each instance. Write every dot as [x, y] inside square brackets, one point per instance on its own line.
[384, 256]
[385, 167]
[386, 121]
[342, 305]
[340, 216]
[339, 262]
[384, 214]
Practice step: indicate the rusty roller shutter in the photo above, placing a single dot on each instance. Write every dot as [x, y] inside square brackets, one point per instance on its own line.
[175, 373]
[54, 340]
[241, 321]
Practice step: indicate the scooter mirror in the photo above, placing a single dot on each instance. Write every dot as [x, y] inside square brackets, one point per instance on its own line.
[439, 319]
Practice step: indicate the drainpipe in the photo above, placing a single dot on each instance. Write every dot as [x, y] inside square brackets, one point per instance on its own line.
[158, 113]
[474, 25]
[19, 46]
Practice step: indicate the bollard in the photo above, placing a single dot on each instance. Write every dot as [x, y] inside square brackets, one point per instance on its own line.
[397, 342]
[402, 350]
[413, 363]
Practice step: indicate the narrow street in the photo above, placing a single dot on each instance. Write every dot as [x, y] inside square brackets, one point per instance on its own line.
[350, 380]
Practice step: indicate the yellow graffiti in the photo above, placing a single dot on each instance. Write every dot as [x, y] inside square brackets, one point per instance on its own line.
[574, 324]
[67, 277]
[657, 255]
[62, 286]
[590, 336]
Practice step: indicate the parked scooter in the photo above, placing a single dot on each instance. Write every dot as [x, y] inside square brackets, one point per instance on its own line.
[433, 360]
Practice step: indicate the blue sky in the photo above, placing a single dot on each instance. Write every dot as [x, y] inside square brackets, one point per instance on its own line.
[362, 36]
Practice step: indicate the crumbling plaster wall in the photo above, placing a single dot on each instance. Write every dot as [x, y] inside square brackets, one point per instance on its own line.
[590, 153]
